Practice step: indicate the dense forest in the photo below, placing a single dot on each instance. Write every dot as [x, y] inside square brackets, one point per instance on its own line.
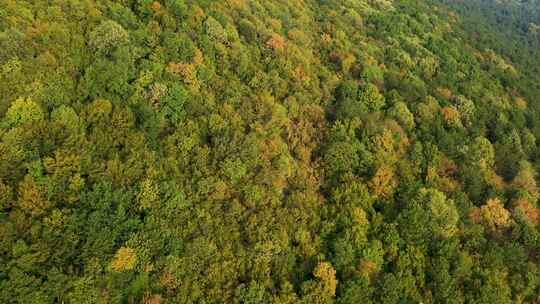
[284, 151]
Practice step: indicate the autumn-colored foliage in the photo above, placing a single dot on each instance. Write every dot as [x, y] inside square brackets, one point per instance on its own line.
[451, 116]
[492, 214]
[311, 152]
[276, 42]
[124, 259]
[527, 210]
[383, 182]
[326, 273]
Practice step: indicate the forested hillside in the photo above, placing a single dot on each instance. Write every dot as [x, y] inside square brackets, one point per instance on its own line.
[284, 151]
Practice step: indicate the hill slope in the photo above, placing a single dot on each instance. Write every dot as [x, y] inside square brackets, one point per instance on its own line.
[241, 151]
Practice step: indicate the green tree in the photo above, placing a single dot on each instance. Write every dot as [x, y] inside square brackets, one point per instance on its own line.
[23, 111]
[107, 36]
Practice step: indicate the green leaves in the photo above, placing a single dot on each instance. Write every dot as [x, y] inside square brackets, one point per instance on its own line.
[107, 36]
[430, 216]
[355, 101]
[215, 30]
[24, 111]
[158, 151]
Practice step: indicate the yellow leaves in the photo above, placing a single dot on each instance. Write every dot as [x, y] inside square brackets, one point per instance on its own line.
[359, 216]
[367, 267]
[98, 110]
[326, 38]
[444, 92]
[383, 182]
[443, 175]
[347, 61]
[31, 197]
[56, 220]
[114, 170]
[221, 191]
[390, 143]
[427, 110]
[6, 196]
[152, 299]
[526, 179]
[273, 153]
[38, 28]
[298, 36]
[276, 42]
[481, 153]
[198, 58]
[499, 62]
[198, 13]
[521, 103]
[275, 24]
[429, 66]
[187, 71]
[148, 195]
[123, 260]
[451, 116]
[64, 169]
[107, 36]
[24, 110]
[166, 280]
[301, 76]
[64, 164]
[156, 6]
[401, 113]
[240, 4]
[12, 66]
[75, 186]
[384, 142]
[394, 129]
[526, 210]
[495, 180]
[327, 274]
[493, 215]
[303, 132]
[442, 216]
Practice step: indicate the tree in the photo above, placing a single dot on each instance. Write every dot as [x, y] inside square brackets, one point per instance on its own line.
[443, 214]
[383, 182]
[526, 211]
[451, 116]
[215, 30]
[526, 179]
[492, 214]
[428, 217]
[23, 111]
[66, 117]
[327, 275]
[123, 260]
[32, 199]
[467, 110]
[6, 196]
[148, 196]
[401, 113]
[370, 96]
[276, 42]
[323, 289]
[354, 101]
[107, 36]
[481, 153]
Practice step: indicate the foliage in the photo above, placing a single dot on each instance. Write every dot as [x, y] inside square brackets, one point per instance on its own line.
[240, 151]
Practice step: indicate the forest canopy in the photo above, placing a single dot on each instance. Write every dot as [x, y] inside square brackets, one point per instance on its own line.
[246, 151]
